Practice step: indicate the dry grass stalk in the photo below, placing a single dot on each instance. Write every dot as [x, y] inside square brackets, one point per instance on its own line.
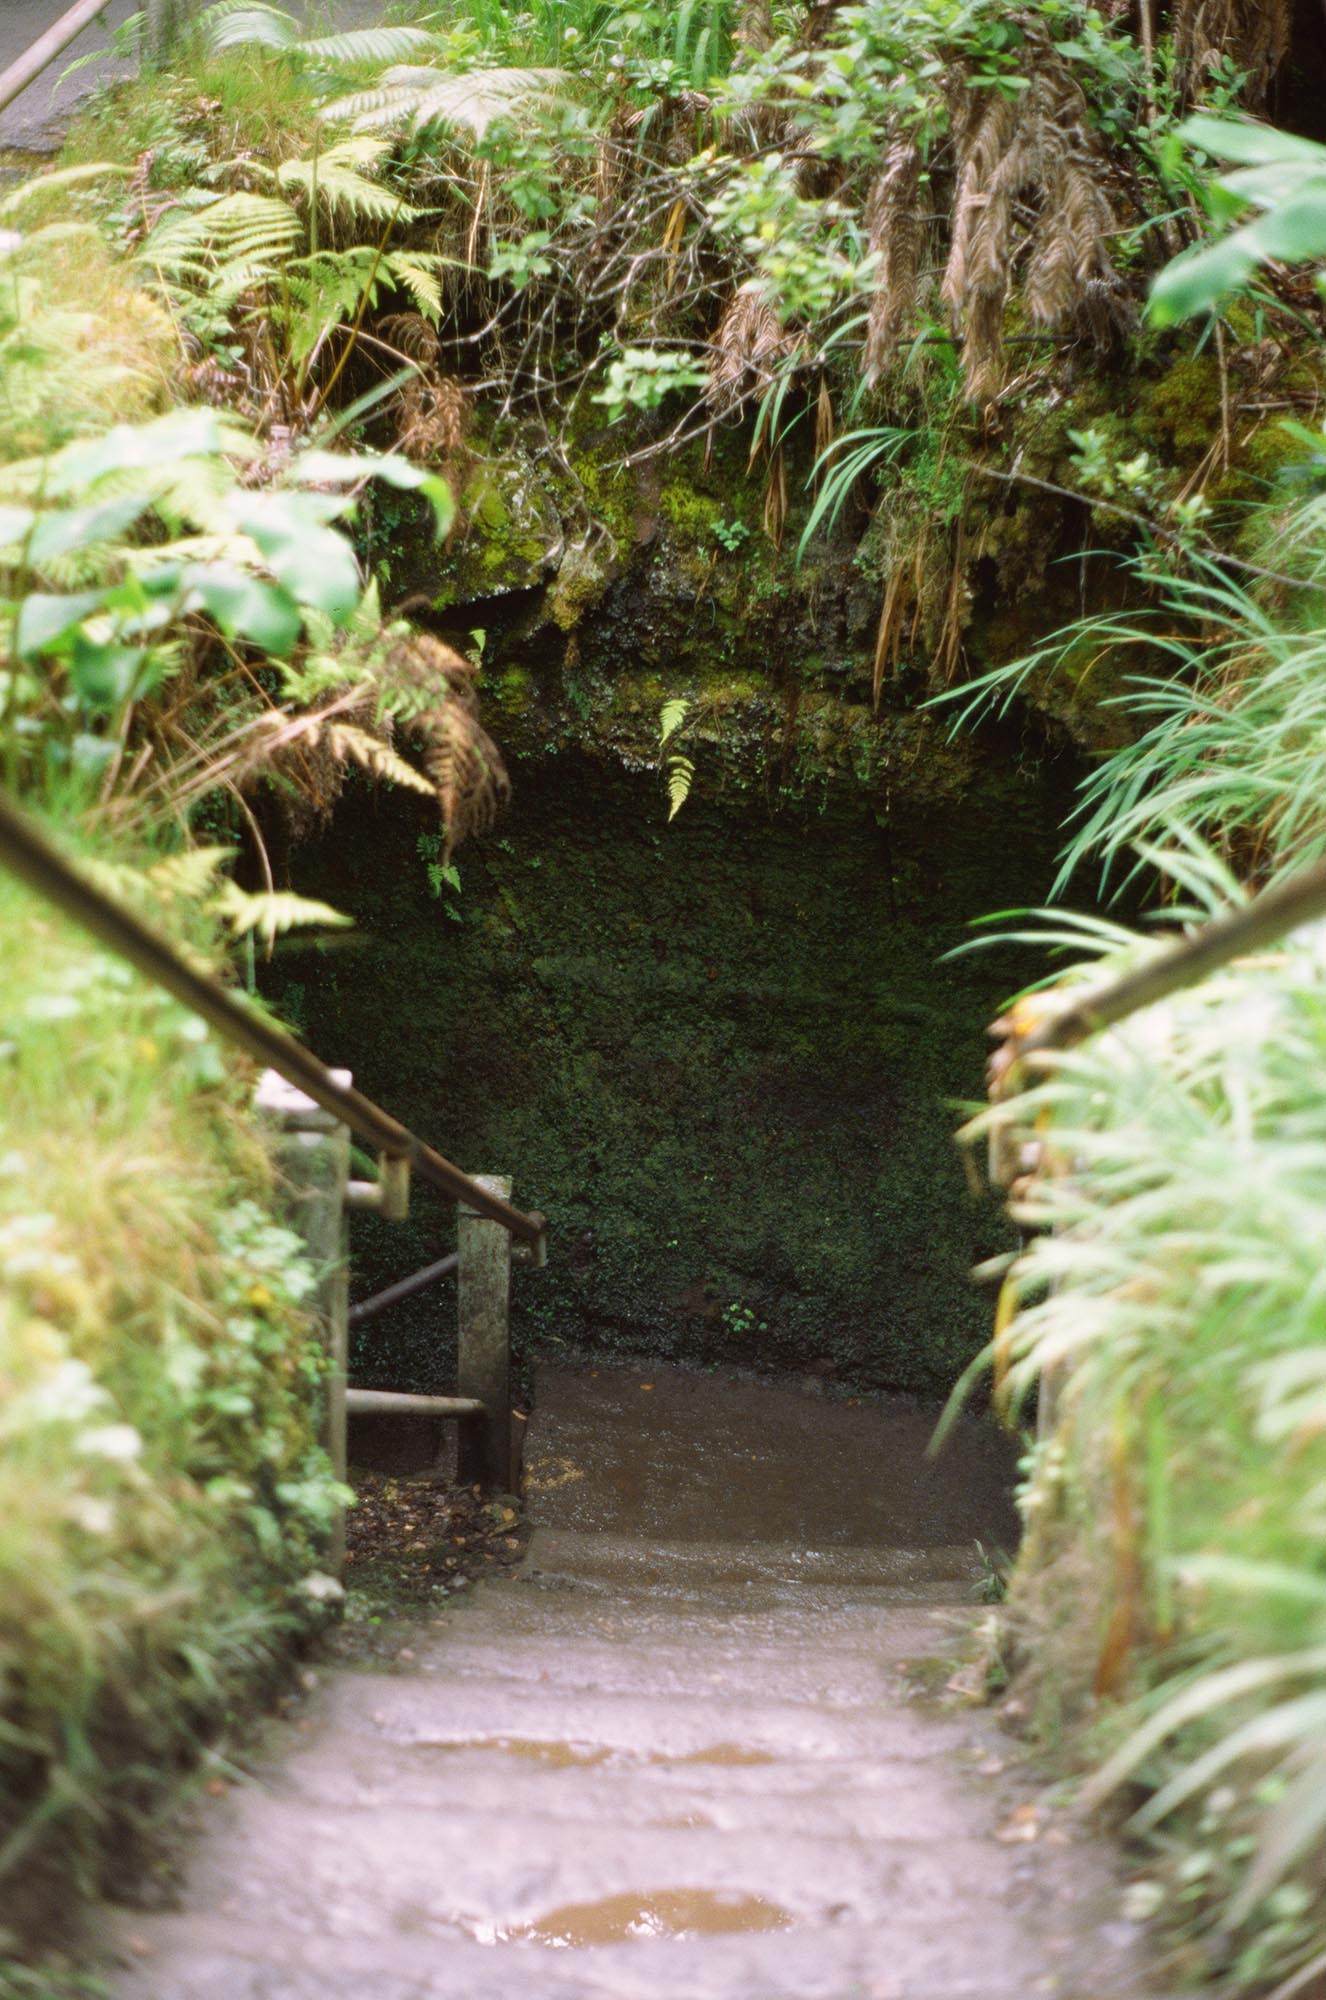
[826, 428]
[775, 498]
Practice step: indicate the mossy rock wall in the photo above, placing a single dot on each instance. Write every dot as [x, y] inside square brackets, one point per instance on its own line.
[721, 1056]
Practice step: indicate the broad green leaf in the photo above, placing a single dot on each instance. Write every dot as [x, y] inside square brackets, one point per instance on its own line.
[106, 677]
[44, 618]
[1199, 279]
[1294, 231]
[244, 606]
[327, 468]
[1247, 143]
[73, 528]
[189, 433]
[15, 524]
[316, 565]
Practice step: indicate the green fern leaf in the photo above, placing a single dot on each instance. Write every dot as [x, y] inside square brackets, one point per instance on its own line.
[681, 773]
[341, 184]
[417, 274]
[235, 22]
[187, 877]
[671, 717]
[471, 100]
[267, 913]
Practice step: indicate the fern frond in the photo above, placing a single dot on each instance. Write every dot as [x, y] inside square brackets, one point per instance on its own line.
[368, 45]
[681, 776]
[671, 717]
[240, 228]
[338, 177]
[471, 100]
[432, 688]
[234, 22]
[417, 275]
[267, 913]
[188, 876]
[359, 746]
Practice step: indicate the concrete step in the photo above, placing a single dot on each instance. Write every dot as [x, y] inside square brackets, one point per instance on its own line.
[871, 1798]
[434, 1710]
[390, 1872]
[208, 1960]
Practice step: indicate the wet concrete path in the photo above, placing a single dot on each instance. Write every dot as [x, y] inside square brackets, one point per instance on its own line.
[679, 1754]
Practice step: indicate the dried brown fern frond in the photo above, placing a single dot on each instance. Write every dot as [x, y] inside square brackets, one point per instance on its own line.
[1252, 35]
[992, 159]
[431, 689]
[350, 743]
[774, 514]
[1036, 152]
[747, 347]
[895, 231]
[826, 426]
[430, 408]
[755, 25]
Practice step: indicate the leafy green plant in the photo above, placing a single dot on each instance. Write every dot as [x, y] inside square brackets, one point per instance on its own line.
[164, 1500]
[443, 875]
[1279, 177]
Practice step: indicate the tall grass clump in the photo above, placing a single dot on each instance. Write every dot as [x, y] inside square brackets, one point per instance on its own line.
[163, 1495]
[1167, 1313]
[1170, 1595]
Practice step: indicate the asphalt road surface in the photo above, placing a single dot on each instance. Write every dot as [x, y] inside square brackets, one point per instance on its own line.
[33, 122]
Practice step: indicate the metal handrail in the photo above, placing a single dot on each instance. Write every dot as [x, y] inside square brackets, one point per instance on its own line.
[27, 852]
[46, 48]
[1298, 899]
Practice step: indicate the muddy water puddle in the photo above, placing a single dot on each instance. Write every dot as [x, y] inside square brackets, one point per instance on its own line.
[679, 1456]
[632, 1917]
[558, 1756]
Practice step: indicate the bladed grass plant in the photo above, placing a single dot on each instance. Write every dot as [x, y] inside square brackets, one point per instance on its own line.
[1168, 1308]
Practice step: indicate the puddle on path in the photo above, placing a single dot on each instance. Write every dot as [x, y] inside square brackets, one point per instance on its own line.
[631, 1918]
[557, 1756]
[679, 1456]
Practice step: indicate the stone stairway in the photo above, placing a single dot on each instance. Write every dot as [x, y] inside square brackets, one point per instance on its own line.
[669, 1758]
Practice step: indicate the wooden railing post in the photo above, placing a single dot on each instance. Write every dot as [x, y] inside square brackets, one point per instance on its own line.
[484, 1354]
[313, 1150]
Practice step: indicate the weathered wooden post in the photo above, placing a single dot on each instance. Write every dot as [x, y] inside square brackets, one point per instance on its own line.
[313, 1149]
[484, 1353]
